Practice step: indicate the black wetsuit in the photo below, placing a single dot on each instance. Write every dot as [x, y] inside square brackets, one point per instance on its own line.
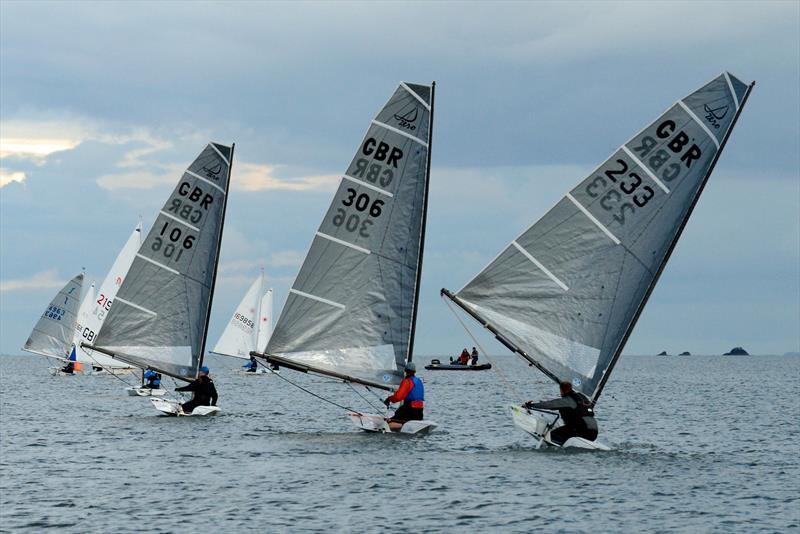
[576, 412]
[205, 394]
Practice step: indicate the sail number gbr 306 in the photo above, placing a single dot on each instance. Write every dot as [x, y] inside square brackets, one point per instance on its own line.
[360, 208]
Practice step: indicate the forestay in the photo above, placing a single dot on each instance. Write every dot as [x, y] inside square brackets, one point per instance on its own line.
[160, 314]
[52, 335]
[352, 307]
[567, 292]
[91, 318]
[250, 326]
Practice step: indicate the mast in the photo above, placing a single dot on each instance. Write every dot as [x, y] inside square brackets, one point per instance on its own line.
[216, 261]
[422, 233]
[672, 246]
[498, 336]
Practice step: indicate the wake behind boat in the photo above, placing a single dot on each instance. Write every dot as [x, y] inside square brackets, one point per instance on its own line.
[566, 294]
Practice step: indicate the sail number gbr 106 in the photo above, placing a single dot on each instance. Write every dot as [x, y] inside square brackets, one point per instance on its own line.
[172, 240]
[365, 208]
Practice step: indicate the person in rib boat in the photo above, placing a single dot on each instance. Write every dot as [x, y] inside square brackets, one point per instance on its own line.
[576, 412]
[205, 394]
[412, 393]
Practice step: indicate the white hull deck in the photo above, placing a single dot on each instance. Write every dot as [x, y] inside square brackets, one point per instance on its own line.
[538, 424]
[377, 423]
[173, 408]
[145, 392]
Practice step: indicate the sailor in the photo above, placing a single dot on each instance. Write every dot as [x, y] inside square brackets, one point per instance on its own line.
[205, 394]
[463, 359]
[251, 366]
[69, 368]
[151, 379]
[474, 356]
[576, 412]
[412, 393]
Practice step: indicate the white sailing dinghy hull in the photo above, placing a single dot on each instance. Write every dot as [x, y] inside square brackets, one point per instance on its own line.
[173, 408]
[259, 371]
[145, 392]
[539, 424]
[377, 423]
[56, 371]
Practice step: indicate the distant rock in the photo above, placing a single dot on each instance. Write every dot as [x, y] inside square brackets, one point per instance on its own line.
[791, 353]
[685, 353]
[663, 353]
[737, 351]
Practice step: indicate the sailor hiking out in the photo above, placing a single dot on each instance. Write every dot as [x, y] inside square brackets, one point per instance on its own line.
[412, 393]
[251, 366]
[576, 412]
[205, 394]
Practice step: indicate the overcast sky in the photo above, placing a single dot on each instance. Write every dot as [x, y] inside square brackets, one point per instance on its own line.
[103, 104]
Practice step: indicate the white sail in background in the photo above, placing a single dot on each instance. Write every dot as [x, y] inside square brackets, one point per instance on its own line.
[53, 334]
[567, 292]
[241, 335]
[352, 308]
[264, 321]
[87, 302]
[160, 314]
[90, 323]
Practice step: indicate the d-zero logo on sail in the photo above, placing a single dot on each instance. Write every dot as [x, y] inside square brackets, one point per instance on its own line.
[213, 172]
[713, 115]
[407, 119]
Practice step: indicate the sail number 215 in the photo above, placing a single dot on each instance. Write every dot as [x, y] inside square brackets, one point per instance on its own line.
[357, 221]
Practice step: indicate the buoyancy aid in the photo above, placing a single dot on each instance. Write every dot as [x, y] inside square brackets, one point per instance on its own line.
[416, 397]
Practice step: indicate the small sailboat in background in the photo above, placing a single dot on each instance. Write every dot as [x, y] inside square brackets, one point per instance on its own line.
[160, 316]
[250, 326]
[566, 294]
[94, 310]
[52, 335]
[351, 312]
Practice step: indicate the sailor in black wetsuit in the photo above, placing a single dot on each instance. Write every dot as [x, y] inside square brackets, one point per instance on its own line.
[205, 394]
[576, 412]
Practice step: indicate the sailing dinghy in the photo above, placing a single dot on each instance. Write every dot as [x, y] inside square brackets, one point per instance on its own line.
[566, 294]
[351, 312]
[159, 319]
[53, 333]
[250, 326]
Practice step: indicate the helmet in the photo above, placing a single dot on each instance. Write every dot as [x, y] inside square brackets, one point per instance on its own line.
[411, 366]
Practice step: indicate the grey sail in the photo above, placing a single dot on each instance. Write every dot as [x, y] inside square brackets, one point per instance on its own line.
[566, 293]
[160, 315]
[53, 333]
[352, 307]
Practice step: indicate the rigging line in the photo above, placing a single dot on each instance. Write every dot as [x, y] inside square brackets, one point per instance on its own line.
[107, 370]
[485, 354]
[298, 386]
[364, 398]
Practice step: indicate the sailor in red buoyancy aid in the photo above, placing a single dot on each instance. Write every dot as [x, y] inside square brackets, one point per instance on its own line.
[412, 393]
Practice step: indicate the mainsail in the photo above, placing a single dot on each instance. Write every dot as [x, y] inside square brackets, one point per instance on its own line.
[91, 318]
[567, 292]
[251, 324]
[352, 309]
[160, 315]
[52, 335]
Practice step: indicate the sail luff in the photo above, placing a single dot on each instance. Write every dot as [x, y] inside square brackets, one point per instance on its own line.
[673, 244]
[219, 248]
[410, 354]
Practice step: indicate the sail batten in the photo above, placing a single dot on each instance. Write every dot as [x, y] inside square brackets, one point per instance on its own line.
[606, 241]
[351, 309]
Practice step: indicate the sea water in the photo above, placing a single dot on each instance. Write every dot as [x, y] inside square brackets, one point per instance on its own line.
[701, 444]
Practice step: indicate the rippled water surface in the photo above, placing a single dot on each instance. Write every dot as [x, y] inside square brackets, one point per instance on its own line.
[701, 444]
